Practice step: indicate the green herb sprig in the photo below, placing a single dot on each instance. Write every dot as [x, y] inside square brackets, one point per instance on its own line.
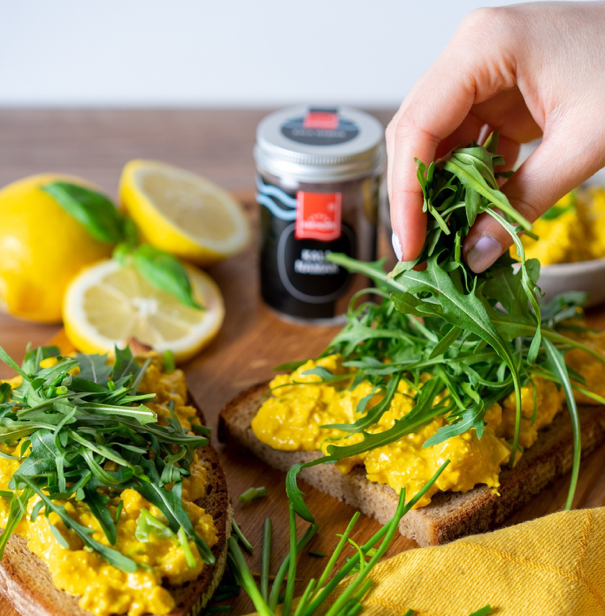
[105, 223]
[71, 426]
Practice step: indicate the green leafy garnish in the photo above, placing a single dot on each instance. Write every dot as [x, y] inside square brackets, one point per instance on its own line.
[480, 337]
[93, 210]
[165, 272]
[70, 427]
[102, 220]
[349, 601]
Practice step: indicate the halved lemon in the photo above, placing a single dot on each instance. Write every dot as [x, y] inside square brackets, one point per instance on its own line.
[183, 213]
[107, 304]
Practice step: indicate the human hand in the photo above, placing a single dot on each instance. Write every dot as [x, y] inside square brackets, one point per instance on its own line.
[525, 70]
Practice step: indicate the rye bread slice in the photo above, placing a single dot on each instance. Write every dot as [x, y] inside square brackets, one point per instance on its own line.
[450, 515]
[26, 581]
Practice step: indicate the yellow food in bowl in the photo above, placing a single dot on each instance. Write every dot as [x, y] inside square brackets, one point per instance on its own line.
[572, 230]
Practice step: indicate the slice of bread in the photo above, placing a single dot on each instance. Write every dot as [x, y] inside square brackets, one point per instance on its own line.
[26, 581]
[450, 514]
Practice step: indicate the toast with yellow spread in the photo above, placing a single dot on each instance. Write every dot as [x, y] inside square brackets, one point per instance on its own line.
[450, 514]
[46, 568]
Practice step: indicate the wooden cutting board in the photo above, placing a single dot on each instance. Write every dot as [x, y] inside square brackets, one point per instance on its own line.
[253, 339]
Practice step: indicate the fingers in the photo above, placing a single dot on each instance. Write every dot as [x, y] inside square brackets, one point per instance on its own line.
[432, 111]
[436, 109]
[469, 131]
[556, 167]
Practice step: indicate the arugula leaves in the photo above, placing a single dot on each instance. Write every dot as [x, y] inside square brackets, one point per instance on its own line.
[480, 336]
[74, 426]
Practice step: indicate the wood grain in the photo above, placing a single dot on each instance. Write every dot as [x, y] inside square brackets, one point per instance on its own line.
[218, 144]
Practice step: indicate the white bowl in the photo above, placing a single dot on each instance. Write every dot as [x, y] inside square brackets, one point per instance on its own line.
[586, 276]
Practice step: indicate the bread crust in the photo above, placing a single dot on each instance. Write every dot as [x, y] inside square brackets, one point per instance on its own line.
[450, 515]
[26, 582]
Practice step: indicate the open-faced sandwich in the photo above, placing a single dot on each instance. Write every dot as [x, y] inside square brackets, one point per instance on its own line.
[112, 499]
[447, 365]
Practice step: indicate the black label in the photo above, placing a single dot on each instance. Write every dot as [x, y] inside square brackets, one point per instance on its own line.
[320, 127]
[296, 278]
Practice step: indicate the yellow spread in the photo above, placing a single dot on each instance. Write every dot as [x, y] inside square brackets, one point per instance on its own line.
[577, 234]
[593, 371]
[103, 588]
[290, 421]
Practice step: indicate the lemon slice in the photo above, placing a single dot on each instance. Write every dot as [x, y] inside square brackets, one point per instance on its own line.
[107, 304]
[183, 213]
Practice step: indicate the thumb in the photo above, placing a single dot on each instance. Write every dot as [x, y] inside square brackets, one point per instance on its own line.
[554, 168]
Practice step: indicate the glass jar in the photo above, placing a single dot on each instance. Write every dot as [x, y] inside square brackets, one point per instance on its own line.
[318, 184]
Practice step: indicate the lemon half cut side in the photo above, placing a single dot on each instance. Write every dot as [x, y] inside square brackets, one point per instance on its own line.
[183, 213]
[108, 304]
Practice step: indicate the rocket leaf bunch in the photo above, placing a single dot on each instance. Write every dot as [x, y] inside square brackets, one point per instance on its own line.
[480, 336]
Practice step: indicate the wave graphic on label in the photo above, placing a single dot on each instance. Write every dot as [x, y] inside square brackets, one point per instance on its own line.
[285, 206]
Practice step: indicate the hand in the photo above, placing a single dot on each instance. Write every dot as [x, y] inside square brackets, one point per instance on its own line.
[526, 70]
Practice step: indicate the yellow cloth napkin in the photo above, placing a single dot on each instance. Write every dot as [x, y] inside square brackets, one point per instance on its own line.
[551, 566]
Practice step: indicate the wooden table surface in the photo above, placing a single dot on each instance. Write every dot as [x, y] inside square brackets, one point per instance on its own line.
[218, 144]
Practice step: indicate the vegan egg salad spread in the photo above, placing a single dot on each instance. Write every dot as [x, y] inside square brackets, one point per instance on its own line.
[572, 230]
[291, 420]
[75, 568]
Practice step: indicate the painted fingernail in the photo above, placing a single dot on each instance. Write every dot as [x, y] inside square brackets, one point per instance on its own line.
[397, 246]
[483, 253]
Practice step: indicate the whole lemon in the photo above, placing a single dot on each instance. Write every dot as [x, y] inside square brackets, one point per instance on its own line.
[42, 248]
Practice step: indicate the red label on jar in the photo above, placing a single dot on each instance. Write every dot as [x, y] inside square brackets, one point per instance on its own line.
[318, 216]
[323, 120]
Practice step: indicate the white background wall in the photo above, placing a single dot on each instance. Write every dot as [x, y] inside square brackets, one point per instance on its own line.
[224, 52]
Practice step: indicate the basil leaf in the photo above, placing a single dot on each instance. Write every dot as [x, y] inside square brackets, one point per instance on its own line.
[165, 272]
[94, 211]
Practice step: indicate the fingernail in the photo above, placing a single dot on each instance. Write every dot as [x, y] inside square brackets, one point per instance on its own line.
[483, 253]
[397, 246]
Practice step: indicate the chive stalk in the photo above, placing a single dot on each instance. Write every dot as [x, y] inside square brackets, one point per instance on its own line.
[281, 573]
[240, 568]
[240, 535]
[292, 565]
[266, 559]
[252, 494]
[169, 362]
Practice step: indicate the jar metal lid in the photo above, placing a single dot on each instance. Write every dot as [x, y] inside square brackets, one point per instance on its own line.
[320, 144]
